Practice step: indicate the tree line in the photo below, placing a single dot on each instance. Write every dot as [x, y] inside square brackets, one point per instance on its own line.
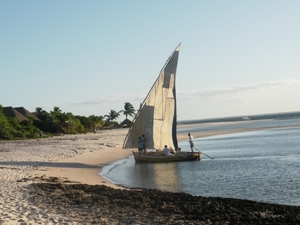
[58, 122]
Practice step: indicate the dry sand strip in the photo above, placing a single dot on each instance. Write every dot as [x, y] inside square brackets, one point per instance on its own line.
[78, 158]
[75, 159]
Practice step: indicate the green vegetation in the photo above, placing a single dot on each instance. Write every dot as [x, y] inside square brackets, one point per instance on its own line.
[10, 128]
[57, 122]
[128, 110]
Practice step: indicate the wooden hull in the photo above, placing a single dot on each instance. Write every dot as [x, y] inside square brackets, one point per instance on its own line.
[153, 157]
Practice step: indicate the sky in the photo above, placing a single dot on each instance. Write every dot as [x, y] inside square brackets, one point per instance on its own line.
[237, 58]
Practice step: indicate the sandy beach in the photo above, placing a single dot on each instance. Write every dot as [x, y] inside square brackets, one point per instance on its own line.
[76, 158]
[56, 181]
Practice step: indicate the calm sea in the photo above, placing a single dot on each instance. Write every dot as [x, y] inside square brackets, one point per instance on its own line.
[259, 165]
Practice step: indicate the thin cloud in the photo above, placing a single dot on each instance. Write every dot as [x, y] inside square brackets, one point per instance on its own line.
[216, 92]
[207, 93]
[116, 98]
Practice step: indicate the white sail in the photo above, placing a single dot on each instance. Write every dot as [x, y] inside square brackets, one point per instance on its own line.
[156, 118]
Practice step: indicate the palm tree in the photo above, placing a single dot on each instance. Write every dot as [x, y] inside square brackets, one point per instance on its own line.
[128, 110]
[57, 119]
[112, 115]
[38, 110]
[95, 122]
[56, 109]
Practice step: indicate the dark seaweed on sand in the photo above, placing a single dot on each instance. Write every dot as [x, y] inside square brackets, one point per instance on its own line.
[98, 204]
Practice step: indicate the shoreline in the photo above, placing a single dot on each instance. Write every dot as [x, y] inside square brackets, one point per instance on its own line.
[95, 159]
[98, 158]
[67, 168]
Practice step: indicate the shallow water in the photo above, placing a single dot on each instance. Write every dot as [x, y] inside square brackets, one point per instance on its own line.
[260, 165]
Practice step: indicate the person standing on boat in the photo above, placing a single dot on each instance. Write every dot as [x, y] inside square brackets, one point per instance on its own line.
[144, 143]
[140, 145]
[191, 140]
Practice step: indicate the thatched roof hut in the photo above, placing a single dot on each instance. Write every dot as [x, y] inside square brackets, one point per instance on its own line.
[126, 123]
[11, 112]
[20, 113]
[26, 113]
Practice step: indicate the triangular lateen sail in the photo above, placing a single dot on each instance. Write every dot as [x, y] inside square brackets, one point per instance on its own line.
[156, 118]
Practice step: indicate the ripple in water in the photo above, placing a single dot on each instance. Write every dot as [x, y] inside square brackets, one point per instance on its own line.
[262, 166]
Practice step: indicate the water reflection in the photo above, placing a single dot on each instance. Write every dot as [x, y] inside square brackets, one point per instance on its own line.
[157, 175]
